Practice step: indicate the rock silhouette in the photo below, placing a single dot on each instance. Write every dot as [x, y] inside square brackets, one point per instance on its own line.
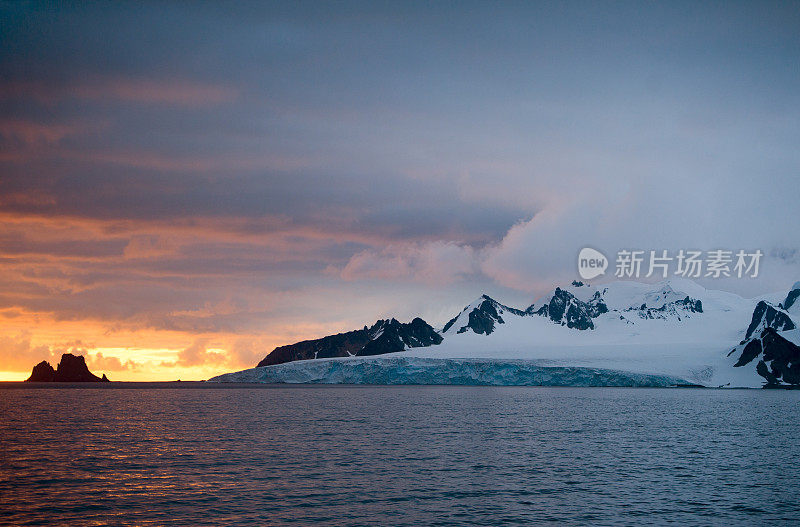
[42, 372]
[71, 368]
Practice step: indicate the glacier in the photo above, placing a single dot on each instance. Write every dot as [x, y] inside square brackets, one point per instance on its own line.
[395, 370]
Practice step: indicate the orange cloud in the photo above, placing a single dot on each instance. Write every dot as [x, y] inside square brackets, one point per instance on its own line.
[98, 361]
[17, 353]
[275, 232]
[185, 297]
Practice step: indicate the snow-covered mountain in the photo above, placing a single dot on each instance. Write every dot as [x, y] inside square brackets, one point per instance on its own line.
[674, 329]
[480, 317]
[569, 309]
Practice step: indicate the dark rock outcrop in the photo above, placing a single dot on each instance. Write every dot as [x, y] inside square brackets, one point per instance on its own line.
[339, 345]
[779, 358]
[690, 304]
[42, 372]
[790, 298]
[396, 336]
[670, 309]
[482, 318]
[565, 309]
[751, 350]
[767, 316]
[71, 368]
[385, 336]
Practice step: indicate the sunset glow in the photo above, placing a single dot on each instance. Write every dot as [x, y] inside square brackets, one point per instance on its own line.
[178, 197]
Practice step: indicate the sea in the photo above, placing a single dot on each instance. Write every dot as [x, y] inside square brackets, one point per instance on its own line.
[227, 454]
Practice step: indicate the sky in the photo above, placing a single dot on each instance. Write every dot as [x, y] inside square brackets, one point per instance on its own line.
[185, 186]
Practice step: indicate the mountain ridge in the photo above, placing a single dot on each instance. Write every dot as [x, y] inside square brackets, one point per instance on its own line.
[674, 327]
[385, 336]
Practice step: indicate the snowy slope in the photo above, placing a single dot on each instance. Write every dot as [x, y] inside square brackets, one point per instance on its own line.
[647, 329]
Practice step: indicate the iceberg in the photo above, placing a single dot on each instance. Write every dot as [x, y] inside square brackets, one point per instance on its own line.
[419, 370]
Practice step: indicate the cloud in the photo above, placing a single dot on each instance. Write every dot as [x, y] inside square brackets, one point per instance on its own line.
[150, 246]
[198, 354]
[17, 353]
[33, 133]
[247, 352]
[229, 352]
[97, 362]
[435, 263]
[180, 92]
[541, 252]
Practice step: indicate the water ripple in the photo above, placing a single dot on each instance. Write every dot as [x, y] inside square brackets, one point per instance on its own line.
[446, 455]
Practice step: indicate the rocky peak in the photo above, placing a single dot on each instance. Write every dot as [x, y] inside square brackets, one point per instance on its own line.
[42, 372]
[481, 317]
[565, 309]
[779, 357]
[71, 368]
[675, 308]
[395, 336]
[765, 316]
[770, 338]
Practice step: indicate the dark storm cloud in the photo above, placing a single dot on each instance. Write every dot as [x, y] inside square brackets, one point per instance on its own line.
[380, 205]
[312, 110]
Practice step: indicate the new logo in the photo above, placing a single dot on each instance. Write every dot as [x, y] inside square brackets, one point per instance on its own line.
[591, 263]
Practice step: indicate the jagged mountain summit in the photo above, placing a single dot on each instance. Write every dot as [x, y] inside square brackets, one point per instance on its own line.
[579, 304]
[480, 317]
[673, 329]
[766, 316]
[566, 309]
[392, 336]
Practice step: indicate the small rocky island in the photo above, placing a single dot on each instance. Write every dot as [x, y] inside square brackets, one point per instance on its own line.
[71, 368]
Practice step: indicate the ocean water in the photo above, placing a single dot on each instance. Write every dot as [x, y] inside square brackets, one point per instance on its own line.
[398, 455]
